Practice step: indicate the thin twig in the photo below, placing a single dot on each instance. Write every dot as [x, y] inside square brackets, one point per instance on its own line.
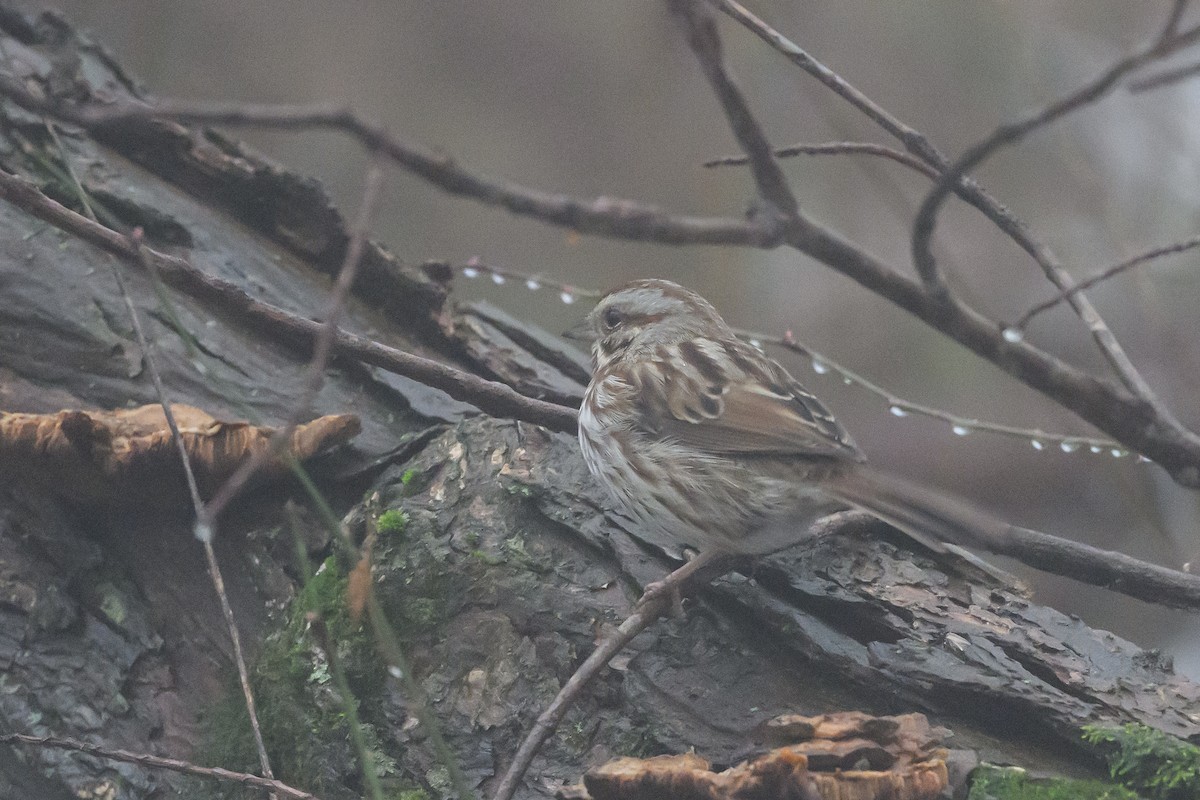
[705, 41]
[157, 762]
[1087, 283]
[643, 616]
[837, 149]
[1013, 132]
[912, 139]
[959, 425]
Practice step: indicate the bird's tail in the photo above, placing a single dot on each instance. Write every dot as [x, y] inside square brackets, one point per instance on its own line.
[940, 522]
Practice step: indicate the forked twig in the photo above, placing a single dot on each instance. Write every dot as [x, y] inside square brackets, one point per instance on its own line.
[702, 37]
[1103, 275]
[837, 149]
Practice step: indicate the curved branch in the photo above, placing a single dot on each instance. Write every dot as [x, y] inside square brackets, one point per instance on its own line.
[1127, 418]
[602, 216]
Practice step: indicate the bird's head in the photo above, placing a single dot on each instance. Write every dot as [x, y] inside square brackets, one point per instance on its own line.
[641, 316]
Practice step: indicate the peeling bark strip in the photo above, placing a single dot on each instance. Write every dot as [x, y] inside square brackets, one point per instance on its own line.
[126, 457]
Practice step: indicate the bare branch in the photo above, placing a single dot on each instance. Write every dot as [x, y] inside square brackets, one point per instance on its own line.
[645, 613]
[705, 42]
[490, 397]
[1164, 78]
[1174, 17]
[157, 762]
[954, 179]
[961, 426]
[837, 149]
[926, 219]
[1111, 570]
[1149, 255]
[602, 216]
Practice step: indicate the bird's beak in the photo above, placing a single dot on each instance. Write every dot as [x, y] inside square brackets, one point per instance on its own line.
[580, 332]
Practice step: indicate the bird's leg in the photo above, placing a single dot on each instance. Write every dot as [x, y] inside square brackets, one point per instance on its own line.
[675, 580]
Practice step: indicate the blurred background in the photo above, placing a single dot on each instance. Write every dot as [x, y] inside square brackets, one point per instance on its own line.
[605, 99]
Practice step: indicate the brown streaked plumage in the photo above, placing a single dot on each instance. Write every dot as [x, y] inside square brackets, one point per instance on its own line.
[705, 440]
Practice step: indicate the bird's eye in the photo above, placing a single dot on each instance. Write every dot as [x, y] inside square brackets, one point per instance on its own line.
[612, 317]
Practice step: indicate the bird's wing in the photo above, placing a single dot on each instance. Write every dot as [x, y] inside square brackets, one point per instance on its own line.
[731, 399]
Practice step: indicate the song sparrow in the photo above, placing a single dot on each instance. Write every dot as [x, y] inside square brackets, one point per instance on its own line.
[704, 439]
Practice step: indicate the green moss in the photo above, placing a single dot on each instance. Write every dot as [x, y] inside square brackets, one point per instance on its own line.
[1154, 763]
[112, 603]
[518, 489]
[420, 579]
[408, 476]
[1001, 783]
[302, 717]
[392, 522]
